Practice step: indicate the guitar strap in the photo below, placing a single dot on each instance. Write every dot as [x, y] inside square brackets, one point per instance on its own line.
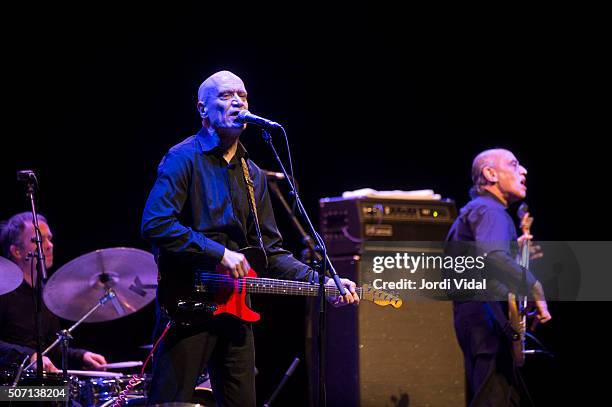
[253, 204]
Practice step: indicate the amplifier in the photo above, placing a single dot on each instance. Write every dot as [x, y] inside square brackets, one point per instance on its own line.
[381, 356]
[347, 223]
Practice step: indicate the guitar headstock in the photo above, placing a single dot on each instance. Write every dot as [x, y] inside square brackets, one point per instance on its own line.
[380, 297]
[525, 218]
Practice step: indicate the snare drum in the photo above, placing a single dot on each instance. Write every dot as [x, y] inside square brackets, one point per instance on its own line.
[7, 377]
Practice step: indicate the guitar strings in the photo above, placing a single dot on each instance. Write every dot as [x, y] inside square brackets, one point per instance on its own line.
[278, 286]
[272, 287]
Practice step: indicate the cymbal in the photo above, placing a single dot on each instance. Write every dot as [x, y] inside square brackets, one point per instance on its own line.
[77, 286]
[10, 276]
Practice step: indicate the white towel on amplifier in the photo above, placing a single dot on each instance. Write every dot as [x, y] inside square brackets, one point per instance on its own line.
[423, 194]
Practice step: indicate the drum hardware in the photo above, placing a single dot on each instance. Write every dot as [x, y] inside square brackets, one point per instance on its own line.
[127, 279]
[117, 272]
[64, 335]
[104, 391]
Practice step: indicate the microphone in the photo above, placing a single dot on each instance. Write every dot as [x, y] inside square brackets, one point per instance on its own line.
[25, 175]
[247, 117]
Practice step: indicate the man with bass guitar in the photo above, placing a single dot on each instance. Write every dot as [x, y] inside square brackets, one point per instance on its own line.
[208, 202]
[484, 332]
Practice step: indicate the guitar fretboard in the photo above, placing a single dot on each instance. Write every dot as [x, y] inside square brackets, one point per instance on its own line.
[258, 285]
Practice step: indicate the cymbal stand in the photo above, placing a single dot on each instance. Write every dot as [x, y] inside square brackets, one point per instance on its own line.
[64, 336]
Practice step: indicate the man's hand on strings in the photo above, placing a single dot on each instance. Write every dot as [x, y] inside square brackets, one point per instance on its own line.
[236, 263]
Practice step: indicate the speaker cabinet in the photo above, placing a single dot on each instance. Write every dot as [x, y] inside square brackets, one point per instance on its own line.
[382, 356]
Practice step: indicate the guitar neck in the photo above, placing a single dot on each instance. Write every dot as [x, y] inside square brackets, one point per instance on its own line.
[211, 282]
[259, 285]
[524, 261]
[526, 222]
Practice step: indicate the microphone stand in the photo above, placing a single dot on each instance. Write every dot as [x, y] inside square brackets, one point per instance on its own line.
[324, 266]
[309, 256]
[41, 271]
[282, 383]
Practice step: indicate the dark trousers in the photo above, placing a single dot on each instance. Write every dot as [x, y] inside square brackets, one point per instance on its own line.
[491, 376]
[224, 346]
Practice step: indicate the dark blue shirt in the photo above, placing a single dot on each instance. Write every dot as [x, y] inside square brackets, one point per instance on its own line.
[199, 206]
[486, 221]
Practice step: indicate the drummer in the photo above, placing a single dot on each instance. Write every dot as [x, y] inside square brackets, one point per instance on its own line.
[17, 321]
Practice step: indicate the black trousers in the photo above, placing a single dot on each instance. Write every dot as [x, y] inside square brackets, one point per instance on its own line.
[492, 379]
[223, 345]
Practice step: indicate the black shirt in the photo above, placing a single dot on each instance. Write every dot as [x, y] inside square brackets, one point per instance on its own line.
[199, 206]
[18, 329]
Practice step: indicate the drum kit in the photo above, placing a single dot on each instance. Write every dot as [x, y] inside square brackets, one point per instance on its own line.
[10, 276]
[100, 286]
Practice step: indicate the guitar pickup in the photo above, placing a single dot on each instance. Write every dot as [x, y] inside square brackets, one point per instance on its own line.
[196, 306]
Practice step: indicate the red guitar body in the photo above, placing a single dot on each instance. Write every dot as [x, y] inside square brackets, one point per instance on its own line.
[208, 292]
[232, 299]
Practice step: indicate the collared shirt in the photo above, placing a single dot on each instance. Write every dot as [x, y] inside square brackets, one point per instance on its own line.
[486, 221]
[199, 206]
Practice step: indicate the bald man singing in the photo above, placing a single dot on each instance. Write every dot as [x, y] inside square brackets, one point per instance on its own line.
[200, 212]
[480, 323]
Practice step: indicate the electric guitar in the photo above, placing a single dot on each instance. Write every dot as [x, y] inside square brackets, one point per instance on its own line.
[517, 304]
[215, 292]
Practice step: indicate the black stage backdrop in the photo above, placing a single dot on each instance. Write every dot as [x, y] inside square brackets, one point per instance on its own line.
[371, 98]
